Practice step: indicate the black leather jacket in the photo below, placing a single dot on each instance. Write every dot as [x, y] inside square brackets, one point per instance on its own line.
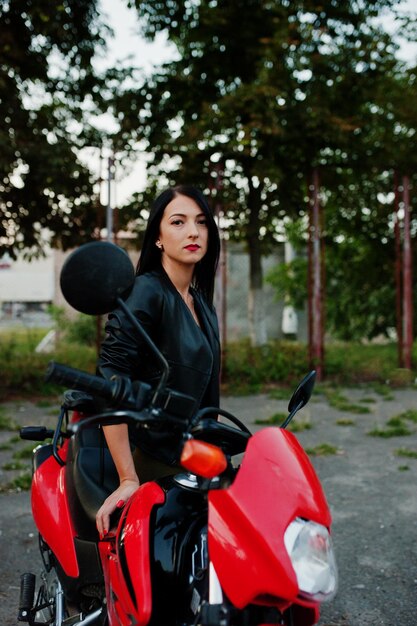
[193, 353]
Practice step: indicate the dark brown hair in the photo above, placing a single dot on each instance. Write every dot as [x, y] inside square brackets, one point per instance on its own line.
[150, 258]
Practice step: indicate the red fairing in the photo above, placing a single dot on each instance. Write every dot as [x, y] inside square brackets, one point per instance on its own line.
[275, 484]
[51, 512]
[134, 542]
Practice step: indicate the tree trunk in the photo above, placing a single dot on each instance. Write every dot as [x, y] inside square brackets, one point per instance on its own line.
[256, 305]
[316, 276]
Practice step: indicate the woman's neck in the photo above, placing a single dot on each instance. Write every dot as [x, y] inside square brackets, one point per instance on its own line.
[181, 276]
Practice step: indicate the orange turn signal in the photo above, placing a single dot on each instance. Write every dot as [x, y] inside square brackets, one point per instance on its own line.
[203, 458]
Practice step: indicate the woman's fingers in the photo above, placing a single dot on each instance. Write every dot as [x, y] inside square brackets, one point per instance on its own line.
[116, 500]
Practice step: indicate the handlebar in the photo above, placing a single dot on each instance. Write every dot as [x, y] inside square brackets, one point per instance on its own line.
[135, 404]
[64, 375]
[118, 391]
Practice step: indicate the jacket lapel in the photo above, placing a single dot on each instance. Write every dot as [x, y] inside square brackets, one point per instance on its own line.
[209, 321]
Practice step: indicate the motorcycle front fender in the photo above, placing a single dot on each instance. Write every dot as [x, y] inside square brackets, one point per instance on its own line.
[275, 484]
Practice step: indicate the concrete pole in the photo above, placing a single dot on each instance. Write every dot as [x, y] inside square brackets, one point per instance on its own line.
[289, 324]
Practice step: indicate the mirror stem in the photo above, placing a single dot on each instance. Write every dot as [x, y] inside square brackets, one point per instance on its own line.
[291, 415]
[144, 335]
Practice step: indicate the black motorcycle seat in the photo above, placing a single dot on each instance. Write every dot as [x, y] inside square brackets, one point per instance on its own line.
[91, 475]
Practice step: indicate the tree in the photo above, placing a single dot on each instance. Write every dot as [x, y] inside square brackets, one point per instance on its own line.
[46, 85]
[271, 91]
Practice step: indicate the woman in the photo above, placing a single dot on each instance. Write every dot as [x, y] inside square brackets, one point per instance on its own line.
[172, 298]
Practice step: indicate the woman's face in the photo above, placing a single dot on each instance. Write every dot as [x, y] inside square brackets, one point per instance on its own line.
[183, 232]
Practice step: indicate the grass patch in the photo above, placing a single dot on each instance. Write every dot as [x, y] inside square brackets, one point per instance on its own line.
[345, 422]
[410, 415]
[22, 482]
[6, 446]
[383, 390]
[323, 449]
[298, 427]
[24, 453]
[339, 401]
[278, 418]
[396, 426]
[14, 465]
[406, 453]
[280, 393]
[9, 445]
[403, 468]
[367, 400]
[7, 423]
[275, 420]
[44, 403]
[386, 433]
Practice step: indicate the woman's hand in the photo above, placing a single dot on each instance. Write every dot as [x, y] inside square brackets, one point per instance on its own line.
[117, 499]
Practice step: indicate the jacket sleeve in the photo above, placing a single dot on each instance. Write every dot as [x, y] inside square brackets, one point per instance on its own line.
[123, 351]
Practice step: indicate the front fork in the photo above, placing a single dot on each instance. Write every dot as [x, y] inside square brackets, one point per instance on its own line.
[215, 590]
[214, 612]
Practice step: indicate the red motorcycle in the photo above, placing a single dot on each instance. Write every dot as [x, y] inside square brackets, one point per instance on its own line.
[241, 536]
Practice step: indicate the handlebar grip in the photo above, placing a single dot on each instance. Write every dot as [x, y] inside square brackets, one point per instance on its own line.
[64, 375]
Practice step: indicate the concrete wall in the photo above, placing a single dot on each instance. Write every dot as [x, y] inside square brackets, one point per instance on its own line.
[38, 281]
[21, 281]
[237, 289]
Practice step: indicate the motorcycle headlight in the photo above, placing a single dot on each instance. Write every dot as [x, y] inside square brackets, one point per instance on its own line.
[309, 546]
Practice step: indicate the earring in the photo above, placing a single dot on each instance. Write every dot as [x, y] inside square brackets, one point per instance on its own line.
[159, 245]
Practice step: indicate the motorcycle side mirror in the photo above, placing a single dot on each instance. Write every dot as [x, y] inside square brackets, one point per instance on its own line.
[95, 275]
[95, 278]
[300, 397]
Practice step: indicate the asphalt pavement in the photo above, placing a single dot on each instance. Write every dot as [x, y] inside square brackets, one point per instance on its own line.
[370, 483]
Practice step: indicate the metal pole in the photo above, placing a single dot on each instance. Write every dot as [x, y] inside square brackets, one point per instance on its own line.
[109, 212]
[221, 279]
[398, 282]
[407, 278]
[99, 319]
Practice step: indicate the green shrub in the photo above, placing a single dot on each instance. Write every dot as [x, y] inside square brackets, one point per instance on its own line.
[23, 370]
[275, 367]
[278, 362]
[283, 363]
[83, 330]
